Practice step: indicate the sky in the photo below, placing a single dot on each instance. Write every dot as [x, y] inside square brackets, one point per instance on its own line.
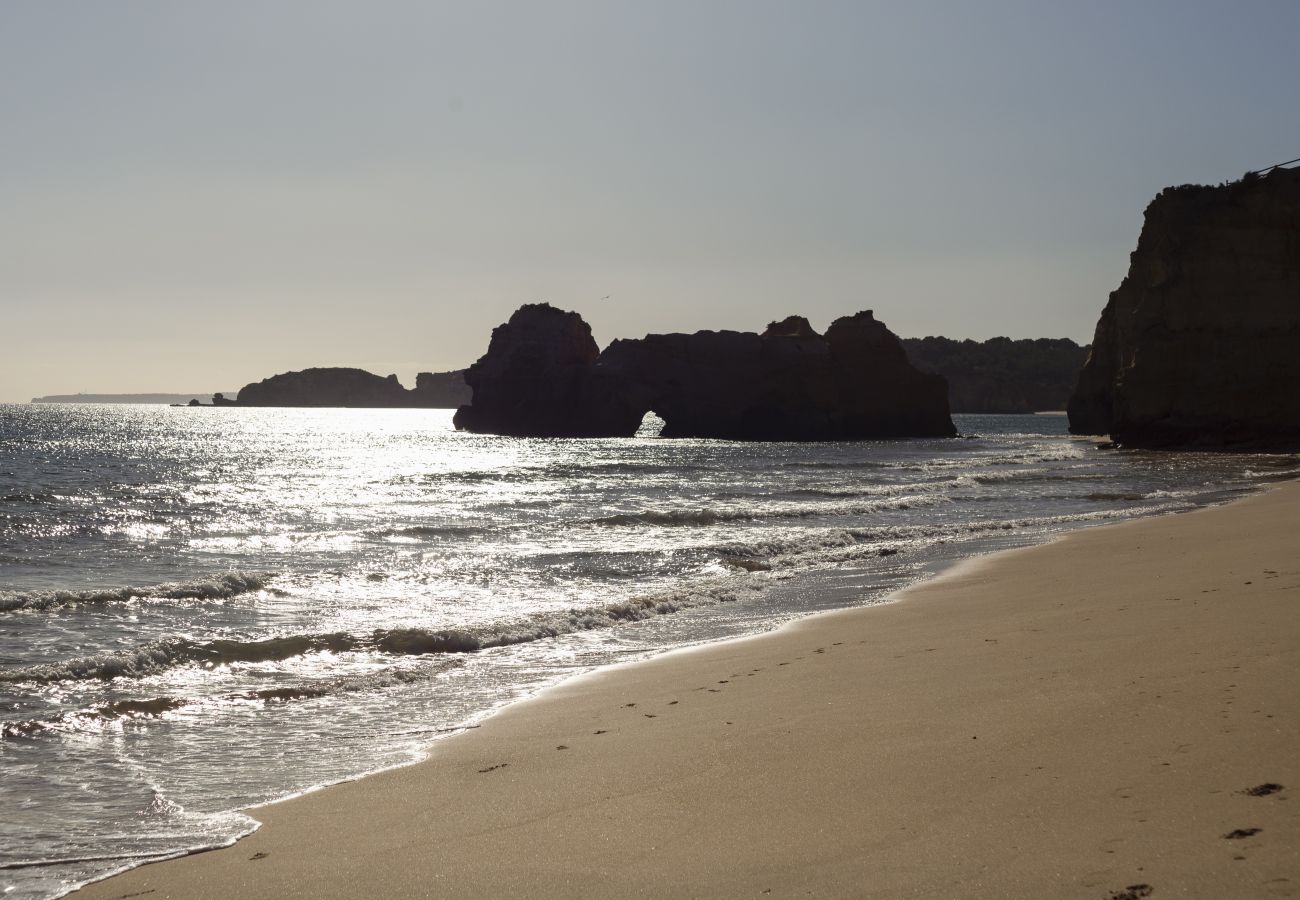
[194, 195]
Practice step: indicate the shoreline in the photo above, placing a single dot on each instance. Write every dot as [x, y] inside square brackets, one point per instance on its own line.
[571, 792]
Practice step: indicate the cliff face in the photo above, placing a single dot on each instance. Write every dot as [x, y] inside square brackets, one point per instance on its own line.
[1001, 375]
[541, 377]
[1201, 342]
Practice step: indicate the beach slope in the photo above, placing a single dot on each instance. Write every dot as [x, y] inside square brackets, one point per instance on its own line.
[1107, 716]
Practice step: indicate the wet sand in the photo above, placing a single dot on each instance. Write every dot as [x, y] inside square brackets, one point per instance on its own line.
[1114, 715]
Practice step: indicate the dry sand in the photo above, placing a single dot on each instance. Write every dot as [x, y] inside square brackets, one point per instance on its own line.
[1082, 719]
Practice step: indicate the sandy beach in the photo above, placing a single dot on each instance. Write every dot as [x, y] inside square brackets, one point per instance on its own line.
[1107, 716]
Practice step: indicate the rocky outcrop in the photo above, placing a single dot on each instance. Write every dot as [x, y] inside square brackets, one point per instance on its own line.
[440, 390]
[325, 387]
[533, 378]
[352, 388]
[542, 376]
[1001, 375]
[1200, 344]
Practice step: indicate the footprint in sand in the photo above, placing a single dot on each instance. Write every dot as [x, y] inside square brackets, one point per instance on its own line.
[1238, 834]
[1132, 892]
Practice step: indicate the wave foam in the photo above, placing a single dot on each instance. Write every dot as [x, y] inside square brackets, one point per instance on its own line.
[97, 717]
[706, 517]
[159, 656]
[223, 587]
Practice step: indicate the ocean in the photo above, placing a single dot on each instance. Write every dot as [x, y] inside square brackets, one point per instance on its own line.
[202, 610]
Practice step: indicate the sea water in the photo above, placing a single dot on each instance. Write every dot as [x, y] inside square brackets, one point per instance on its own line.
[207, 609]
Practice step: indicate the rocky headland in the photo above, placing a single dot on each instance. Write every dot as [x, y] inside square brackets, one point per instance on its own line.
[328, 387]
[440, 390]
[1001, 375]
[1200, 344]
[544, 376]
[155, 398]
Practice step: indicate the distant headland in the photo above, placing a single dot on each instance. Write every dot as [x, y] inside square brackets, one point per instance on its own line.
[123, 398]
[356, 388]
[1001, 375]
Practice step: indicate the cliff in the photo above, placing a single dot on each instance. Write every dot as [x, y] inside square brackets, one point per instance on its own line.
[1001, 375]
[1200, 344]
[542, 376]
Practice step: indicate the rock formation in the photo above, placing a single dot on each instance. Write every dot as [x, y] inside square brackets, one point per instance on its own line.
[542, 376]
[1200, 344]
[440, 390]
[531, 381]
[325, 387]
[1001, 375]
[354, 388]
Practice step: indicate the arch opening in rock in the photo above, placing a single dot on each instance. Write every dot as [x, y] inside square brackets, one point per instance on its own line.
[652, 425]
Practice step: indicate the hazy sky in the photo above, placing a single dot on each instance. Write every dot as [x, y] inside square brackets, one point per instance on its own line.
[198, 195]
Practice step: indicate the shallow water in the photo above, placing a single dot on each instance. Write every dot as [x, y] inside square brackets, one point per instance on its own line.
[206, 609]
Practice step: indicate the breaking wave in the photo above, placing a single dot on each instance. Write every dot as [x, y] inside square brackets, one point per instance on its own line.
[838, 464]
[524, 474]
[705, 517]
[160, 656]
[222, 587]
[434, 531]
[155, 708]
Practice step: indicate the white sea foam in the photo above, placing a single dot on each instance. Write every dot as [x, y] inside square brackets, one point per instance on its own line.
[221, 587]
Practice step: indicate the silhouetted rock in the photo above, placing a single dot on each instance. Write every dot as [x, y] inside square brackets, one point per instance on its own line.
[325, 387]
[353, 388]
[440, 390]
[541, 376]
[790, 326]
[530, 381]
[1201, 342]
[1001, 375]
